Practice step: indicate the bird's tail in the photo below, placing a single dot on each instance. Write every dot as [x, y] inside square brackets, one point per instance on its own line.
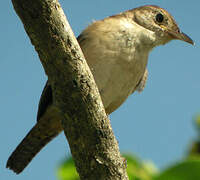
[41, 134]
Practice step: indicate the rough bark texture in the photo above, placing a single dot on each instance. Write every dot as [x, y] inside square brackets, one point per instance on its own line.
[87, 128]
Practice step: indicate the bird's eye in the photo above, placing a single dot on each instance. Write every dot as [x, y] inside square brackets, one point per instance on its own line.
[159, 18]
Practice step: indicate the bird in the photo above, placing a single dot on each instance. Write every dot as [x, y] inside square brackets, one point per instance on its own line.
[116, 49]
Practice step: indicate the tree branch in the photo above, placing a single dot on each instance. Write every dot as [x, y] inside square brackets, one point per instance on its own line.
[87, 128]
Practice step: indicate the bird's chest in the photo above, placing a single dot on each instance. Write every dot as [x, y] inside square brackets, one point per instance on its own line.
[117, 72]
[117, 58]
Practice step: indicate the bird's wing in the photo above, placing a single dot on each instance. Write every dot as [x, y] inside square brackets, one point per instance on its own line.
[141, 85]
[46, 99]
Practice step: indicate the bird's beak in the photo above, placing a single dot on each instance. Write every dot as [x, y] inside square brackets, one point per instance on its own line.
[181, 36]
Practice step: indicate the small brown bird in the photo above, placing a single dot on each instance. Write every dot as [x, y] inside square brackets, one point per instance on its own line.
[116, 49]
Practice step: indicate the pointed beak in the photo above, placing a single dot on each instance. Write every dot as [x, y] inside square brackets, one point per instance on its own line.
[181, 36]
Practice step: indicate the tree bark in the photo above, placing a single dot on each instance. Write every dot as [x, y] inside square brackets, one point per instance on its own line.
[87, 128]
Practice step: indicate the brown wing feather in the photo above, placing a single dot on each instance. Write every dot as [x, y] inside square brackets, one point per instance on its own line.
[46, 99]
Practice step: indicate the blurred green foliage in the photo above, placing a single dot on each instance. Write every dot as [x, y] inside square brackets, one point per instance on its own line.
[67, 170]
[137, 170]
[187, 169]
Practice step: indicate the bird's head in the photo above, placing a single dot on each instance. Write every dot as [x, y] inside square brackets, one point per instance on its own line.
[160, 22]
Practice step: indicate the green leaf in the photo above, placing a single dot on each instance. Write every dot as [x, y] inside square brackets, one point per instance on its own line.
[186, 170]
[67, 170]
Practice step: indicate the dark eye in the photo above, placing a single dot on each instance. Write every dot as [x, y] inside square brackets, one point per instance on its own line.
[159, 17]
